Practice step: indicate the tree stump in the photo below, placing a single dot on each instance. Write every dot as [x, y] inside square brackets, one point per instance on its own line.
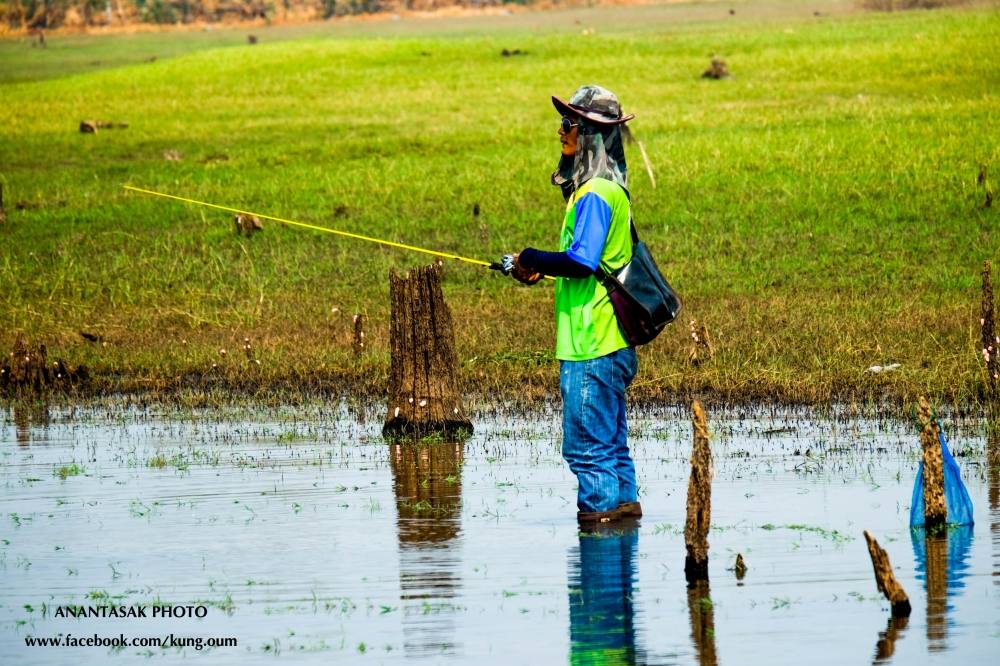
[935, 509]
[699, 500]
[718, 69]
[423, 377]
[359, 334]
[886, 580]
[26, 369]
[701, 343]
[740, 567]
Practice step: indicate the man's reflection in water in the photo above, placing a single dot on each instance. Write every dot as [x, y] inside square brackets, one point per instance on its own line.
[941, 564]
[601, 575]
[427, 482]
[28, 413]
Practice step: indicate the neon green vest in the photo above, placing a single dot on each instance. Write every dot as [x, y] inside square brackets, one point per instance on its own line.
[586, 326]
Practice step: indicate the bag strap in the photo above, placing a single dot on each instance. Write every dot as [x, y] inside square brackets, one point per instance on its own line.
[599, 272]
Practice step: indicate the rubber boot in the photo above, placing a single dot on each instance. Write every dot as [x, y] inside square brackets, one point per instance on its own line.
[598, 517]
[630, 509]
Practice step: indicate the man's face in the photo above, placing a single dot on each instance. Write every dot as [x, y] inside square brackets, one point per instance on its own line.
[568, 138]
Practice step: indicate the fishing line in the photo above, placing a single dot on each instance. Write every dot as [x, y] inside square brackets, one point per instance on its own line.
[314, 227]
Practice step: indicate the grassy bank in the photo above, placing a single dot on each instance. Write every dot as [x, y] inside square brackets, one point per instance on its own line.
[818, 211]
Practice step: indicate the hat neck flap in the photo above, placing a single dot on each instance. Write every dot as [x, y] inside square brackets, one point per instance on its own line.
[599, 154]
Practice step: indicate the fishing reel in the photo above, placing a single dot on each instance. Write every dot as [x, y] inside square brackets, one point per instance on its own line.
[505, 265]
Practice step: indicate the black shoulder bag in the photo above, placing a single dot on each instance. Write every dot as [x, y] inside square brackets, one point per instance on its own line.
[643, 301]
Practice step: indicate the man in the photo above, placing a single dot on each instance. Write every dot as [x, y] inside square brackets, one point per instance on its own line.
[596, 362]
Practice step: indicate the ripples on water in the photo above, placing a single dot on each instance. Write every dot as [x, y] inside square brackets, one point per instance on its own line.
[312, 538]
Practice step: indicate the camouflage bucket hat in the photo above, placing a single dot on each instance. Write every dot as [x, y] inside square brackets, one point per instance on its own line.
[594, 103]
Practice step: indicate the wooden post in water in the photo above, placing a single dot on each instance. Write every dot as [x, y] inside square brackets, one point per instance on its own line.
[935, 509]
[423, 376]
[740, 567]
[699, 499]
[886, 580]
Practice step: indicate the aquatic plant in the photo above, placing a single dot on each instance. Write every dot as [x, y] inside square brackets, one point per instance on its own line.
[66, 471]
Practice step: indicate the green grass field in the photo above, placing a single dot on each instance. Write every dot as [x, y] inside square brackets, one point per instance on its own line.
[819, 210]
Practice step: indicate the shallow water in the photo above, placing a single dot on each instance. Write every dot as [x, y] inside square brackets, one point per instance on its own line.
[307, 536]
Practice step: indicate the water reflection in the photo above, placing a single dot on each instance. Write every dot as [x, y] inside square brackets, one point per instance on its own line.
[28, 413]
[886, 645]
[942, 565]
[993, 458]
[601, 576]
[427, 483]
[702, 616]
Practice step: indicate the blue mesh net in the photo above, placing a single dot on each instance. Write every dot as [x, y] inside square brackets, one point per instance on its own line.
[955, 494]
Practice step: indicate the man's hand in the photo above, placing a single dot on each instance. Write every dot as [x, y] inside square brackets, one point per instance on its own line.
[524, 274]
[511, 266]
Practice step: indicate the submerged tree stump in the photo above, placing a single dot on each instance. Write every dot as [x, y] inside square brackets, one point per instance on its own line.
[699, 499]
[740, 567]
[26, 369]
[423, 377]
[886, 580]
[935, 509]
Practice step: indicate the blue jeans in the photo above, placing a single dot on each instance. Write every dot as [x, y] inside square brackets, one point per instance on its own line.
[595, 435]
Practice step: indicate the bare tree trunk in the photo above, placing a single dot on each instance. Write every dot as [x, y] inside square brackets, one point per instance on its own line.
[935, 509]
[699, 500]
[423, 377]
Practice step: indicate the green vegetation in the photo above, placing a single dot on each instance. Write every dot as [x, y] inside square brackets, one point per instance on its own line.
[831, 535]
[819, 210]
[66, 471]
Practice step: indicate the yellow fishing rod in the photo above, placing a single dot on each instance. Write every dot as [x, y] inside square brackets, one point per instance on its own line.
[346, 234]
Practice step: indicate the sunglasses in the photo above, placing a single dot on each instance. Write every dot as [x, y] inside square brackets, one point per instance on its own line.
[567, 124]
